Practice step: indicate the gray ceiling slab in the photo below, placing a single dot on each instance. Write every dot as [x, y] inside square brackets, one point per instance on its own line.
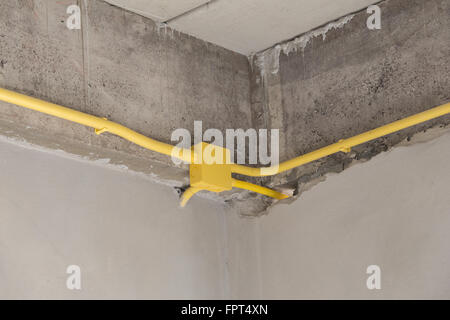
[244, 26]
[159, 10]
[248, 26]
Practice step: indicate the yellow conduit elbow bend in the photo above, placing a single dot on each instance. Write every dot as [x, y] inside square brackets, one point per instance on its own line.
[191, 191]
[188, 194]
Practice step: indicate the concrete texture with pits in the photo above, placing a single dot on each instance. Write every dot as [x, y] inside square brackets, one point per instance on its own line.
[125, 67]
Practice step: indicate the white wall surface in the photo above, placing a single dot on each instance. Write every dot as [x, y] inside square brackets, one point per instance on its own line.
[132, 241]
[393, 211]
[127, 233]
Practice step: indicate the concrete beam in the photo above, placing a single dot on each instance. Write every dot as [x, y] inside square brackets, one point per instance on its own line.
[345, 79]
[124, 67]
[120, 66]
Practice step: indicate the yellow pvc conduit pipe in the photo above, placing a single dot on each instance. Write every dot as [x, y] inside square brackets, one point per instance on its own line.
[99, 124]
[259, 189]
[103, 125]
[191, 191]
[344, 145]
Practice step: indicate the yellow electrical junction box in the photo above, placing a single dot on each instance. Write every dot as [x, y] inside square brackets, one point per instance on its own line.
[211, 169]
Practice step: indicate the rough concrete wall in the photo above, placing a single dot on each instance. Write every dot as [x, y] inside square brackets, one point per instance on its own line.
[127, 234]
[393, 211]
[355, 80]
[120, 66]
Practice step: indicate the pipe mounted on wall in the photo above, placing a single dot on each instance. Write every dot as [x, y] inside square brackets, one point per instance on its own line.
[221, 172]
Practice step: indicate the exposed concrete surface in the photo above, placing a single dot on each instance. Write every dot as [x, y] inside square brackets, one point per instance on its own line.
[251, 26]
[127, 234]
[159, 10]
[355, 80]
[120, 66]
[124, 67]
[393, 211]
[244, 26]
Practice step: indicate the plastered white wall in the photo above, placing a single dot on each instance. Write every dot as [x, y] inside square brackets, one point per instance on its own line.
[393, 211]
[132, 241]
[127, 234]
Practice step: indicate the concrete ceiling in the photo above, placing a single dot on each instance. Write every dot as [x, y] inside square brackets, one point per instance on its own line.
[244, 26]
[159, 10]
